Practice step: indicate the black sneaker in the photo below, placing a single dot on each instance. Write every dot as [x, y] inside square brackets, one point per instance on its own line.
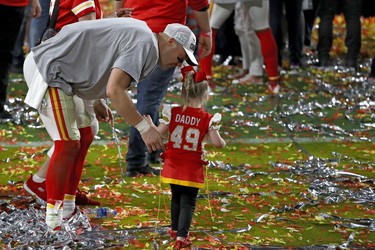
[153, 158]
[146, 170]
[5, 116]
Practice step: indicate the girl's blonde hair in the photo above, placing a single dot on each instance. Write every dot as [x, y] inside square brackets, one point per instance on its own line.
[192, 90]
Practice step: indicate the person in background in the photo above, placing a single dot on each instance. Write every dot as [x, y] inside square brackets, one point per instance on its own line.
[258, 11]
[11, 15]
[188, 125]
[38, 25]
[293, 12]
[22, 42]
[371, 76]
[327, 10]
[158, 14]
[252, 60]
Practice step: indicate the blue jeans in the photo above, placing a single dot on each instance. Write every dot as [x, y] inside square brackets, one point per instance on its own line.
[150, 93]
[352, 12]
[38, 25]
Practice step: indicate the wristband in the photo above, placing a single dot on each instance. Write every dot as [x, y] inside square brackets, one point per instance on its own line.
[206, 34]
[143, 126]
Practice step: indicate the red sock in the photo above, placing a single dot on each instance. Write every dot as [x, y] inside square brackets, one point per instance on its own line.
[86, 139]
[269, 52]
[59, 169]
[205, 64]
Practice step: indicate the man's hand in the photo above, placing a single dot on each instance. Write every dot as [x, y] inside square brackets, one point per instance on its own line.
[103, 112]
[36, 10]
[124, 12]
[153, 140]
[205, 45]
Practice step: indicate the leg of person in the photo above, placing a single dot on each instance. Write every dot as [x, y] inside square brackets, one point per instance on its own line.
[10, 21]
[66, 138]
[240, 29]
[258, 13]
[175, 209]
[187, 208]
[59, 117]
[352, 12]
[81, 196]
[150, 92]
[276, 20]
[293, 10]
[245, 51]
[310, 14]
[372, 69]
[38, 25]
[86, 138]
[326, 10]
[18, 50]
[220, 13]
[256, 58]
[36, 185]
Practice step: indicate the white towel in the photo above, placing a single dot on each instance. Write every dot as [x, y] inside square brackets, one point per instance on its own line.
[34, 80]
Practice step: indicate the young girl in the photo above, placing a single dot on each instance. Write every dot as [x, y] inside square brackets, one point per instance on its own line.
[183, 164]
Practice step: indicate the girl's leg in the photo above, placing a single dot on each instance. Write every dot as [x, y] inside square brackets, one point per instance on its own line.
[188, 202]
[175, 206]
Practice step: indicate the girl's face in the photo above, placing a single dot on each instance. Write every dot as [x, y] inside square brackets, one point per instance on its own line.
[173, 55]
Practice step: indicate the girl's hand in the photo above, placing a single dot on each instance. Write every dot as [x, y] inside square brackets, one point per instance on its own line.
[149, 120]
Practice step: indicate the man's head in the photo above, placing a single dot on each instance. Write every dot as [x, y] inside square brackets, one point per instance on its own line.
[179, 46]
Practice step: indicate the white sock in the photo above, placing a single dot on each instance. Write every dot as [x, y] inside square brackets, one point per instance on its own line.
[54, 215]
[69, 206]
[38, 179]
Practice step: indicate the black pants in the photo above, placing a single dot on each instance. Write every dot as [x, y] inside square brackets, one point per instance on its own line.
[183, 204]
[293, 12]
[10, 22]
[352, 12]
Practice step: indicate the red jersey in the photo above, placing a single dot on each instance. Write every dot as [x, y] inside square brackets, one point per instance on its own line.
[183, 163]
[159, 13]
[15, 3]
[71, 10]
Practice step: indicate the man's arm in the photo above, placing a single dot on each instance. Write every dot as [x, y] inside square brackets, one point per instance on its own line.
[116, 90]
[205, 38]
[118, 4]
[36, 10]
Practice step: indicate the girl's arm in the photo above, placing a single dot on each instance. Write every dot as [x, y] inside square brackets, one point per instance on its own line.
[162, 128]
[216, 139]
[213, 132]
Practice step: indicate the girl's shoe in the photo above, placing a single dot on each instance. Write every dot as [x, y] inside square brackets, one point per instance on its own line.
[181, 244]
[172, 233]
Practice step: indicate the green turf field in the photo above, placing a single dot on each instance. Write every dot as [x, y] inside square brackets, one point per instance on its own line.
[298, 169]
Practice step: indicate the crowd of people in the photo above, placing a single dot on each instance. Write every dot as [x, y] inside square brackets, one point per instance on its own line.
[71, 78]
